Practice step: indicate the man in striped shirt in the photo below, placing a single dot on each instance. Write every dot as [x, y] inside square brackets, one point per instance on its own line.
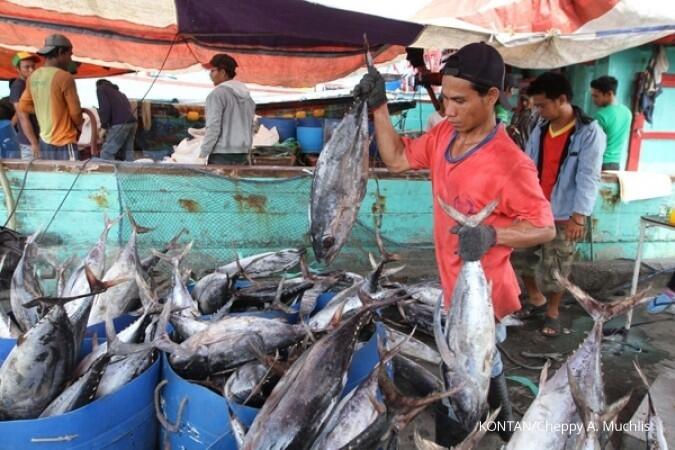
[51, 94]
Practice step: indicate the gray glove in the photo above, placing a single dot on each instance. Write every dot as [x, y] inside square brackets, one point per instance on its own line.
[475, 242]
[371, 88]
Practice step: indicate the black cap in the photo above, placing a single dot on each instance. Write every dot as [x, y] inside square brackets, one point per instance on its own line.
[479, 63]
[54, 41]
[222, 61]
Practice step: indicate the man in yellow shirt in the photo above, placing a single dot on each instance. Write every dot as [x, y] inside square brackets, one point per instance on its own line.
[51, 94]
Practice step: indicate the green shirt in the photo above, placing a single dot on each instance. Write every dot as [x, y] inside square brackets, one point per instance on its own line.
[615, 120]
[503, 114]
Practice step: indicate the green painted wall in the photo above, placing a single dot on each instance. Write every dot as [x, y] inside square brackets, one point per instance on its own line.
[225, 216]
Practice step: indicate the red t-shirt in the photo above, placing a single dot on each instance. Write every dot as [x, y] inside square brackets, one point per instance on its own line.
[554, 144]
[498, 169]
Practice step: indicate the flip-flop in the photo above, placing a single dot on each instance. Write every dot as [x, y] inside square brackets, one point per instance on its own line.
[550, 323]
[660, 303]
[529, 310]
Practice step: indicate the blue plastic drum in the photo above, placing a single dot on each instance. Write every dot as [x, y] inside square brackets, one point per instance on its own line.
[120, 421]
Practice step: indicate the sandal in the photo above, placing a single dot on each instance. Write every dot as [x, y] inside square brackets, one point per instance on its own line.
[551, 327]
[529, 310]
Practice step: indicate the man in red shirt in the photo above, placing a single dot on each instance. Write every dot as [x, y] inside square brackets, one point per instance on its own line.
[472, 162]
[567, 148]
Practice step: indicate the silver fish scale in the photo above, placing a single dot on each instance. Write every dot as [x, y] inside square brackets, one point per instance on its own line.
[555, 405]
[471, 339]
[263, 264]
[25, 286]
[37, 368]
[117, 298]
[339, 184]
[353, 414]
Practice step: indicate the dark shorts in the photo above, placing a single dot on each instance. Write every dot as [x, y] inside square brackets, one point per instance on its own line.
[611, 166]
[228, 159]
[66, 152]
[540, 262]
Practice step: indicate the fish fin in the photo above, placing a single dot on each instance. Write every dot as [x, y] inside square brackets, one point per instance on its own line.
[238, 428]
[173, 243]
[612, 411]
[304, 268]
[388, 355]
[97, 286]
[425, 444]
[108, 223]
[511, 321]
[464, 220]
[600, 311]
[447, 356]
[371, 259]
[148, 298]
[472, 440]
[578, 396]
[378, 405]
[277, 303]
[392, 271]
[175, 259]
[543, 376]
[135, 226]
[646, 383]
[386, 256]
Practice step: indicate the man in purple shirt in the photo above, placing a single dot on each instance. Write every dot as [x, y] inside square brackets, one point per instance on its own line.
[117, 118]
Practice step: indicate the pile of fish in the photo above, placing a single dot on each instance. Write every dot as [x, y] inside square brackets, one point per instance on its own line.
[262, 336]
[41, 376]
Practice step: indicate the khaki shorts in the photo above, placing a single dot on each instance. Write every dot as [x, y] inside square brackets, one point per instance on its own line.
[541, 261]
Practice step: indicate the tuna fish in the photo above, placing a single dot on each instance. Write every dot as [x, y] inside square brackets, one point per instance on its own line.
[118, 299]
[227, 343]
[78, 284]
[593, 422]
[263, 264]
[469, 443]
[38, 367]
[656, 438]
[339, 184]
[213, 290]
[467, 344]
[180, 297]
[304, 398]
[81, 392]
[554, 403]
[249, 383]
[25, 285]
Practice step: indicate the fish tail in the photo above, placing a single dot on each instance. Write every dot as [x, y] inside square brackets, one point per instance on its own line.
[135, 226]
[468, 221]
[601, 312]
[176, 259]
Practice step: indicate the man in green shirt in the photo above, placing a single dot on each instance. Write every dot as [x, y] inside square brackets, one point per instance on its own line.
[614, 118]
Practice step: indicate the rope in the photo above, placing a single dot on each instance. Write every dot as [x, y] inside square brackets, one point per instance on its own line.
[58, 208]
[18, 197]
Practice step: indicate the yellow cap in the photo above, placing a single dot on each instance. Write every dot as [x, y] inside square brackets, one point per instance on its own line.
[20, 56]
